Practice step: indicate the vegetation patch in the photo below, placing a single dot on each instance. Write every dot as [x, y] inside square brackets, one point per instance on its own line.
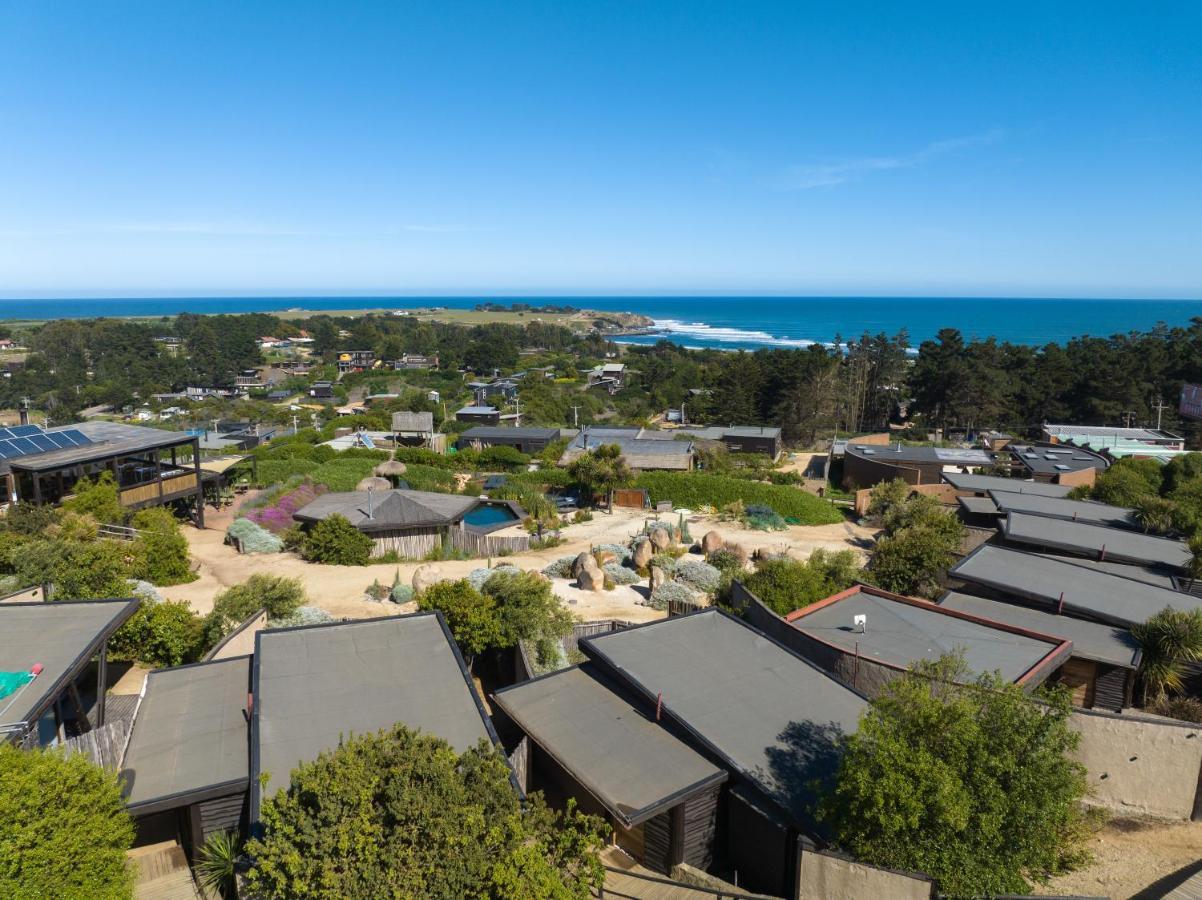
[693, 490]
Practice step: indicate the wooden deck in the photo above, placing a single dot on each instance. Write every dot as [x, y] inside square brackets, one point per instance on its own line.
[163, 873]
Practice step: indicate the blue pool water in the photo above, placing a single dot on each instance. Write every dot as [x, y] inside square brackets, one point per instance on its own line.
[487, 515]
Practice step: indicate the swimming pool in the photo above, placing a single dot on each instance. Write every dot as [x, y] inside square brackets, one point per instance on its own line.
[491, 515]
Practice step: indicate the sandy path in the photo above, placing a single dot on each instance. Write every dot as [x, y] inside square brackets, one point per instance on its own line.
[1130, 855]
[339, 589]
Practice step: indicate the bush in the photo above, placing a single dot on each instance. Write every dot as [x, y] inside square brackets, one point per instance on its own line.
[163, 633]
[1125, 482]
[401, 593]
[343, 474]
[620, 551]
[99, 499]
[303, 615]
[727, 561]
[621, 574]
[472, 616]
[94, 570]
[503, 458]
[763, 518]
[280, 596]
[784, 584]
[429, 478]
[29, 519]
[276, 514]
[529, 609]
[664, 561]
[252, 538]
[273, 471]
[561, 568]
[1186, 709]
[336, 541]
[161, 550]
[700, 576]
[670, 592]
[404, 810]
[693, 490]
[912, 561]
[64, 830]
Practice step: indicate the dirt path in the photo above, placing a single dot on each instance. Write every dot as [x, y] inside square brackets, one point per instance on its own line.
[1130, 855]
[339, 589]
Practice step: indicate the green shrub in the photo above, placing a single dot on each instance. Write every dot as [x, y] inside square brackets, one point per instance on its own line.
[161, 550]
[504, 458]
[699, 576]
[472, 616]
[273, 471]
[670, 592]
[342, 474]
[336, 541]
[29, 519]
[64, 830]
[429, 478]
[784, 584]
[620, 574]
[93, 570]
[280, 596]
[693, 490]
[252, 538]
[163, 633]
[99, 499]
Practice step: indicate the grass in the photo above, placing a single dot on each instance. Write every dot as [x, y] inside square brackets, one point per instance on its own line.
[692, 490]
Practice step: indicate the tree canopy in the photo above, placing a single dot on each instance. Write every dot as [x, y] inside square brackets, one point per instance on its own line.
[973, 785]
[402, 814]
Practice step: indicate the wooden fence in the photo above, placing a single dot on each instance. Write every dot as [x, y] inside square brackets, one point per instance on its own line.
[145, 493]
[475, 544]
[104, 745]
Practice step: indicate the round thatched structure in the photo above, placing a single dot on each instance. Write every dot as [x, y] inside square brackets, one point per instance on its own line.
[374, 483]
[390, 468]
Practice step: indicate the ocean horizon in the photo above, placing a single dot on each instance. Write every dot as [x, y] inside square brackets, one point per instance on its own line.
[733, 322]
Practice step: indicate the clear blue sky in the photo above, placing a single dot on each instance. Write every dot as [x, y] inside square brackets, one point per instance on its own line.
[1048, 149]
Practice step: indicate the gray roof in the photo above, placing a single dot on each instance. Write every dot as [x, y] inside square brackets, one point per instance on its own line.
[1146, 574]
[1095, 541]
[108, 439]
[190, 735]
[902, 453]
[963, 481]
[1068, 432]
[770, 714]
[625, 759]
[1056, 459]
[1075, 510]
[318, 684]
[751, 431]
[981, 506]
[901, 632]
[389, 509]
[1091, 640]
[477, 410]
[1085, 591]
[62, 637]
[639, 452]
[488, 432]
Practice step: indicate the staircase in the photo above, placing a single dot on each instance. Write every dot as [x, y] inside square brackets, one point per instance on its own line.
[162, 873]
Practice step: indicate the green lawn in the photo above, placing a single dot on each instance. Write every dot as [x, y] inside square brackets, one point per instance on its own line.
[694, 489]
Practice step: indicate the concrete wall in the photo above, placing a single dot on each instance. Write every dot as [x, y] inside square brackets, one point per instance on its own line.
[825, 877]
[241, 641]
[1083, 476]
[1140, 765]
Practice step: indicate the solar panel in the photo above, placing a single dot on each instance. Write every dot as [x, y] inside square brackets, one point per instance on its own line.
[25, 430]
[5, 434]
[25, 445]
[43, 442]
[3, 451]
[77, 436]
[58, 440]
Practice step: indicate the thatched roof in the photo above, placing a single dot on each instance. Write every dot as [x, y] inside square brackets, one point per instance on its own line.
[390, 467]
[374, 483]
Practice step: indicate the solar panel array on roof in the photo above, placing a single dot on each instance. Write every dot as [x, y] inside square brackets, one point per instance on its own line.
[26, 440]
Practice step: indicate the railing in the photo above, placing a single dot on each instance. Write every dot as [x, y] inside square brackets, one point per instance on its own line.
[177, 484]
[686, 890]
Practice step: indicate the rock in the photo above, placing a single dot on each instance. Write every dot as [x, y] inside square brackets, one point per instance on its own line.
[711, 543]
[604, 556]
[643, 551]
[582, 561]
[424, 577]
[658, 577]
[590, 577]
[660, 539]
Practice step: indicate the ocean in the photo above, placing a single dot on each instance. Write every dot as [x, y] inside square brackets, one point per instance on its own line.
[725, 322]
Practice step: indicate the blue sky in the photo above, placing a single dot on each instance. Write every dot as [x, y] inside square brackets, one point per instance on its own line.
[1042, 149]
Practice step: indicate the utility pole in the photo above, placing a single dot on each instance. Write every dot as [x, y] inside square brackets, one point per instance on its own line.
[576, 416]
[294, 423]
[517, 408]
[1160, 407]
[1128, 416]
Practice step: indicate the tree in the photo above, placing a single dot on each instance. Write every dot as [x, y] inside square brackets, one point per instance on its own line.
[471, 615]
[974, 785]
[78, 570]
[99, 499]
[1155, 514]
[1168, 640]
[885, 496]
[784, 585]
[529, 611]
[279, 596]
[160, 633]
[911, 561]
[336, 541]
[64, 830]
[161, 550]
[402, 814]
[1127, 482]
[600, 472]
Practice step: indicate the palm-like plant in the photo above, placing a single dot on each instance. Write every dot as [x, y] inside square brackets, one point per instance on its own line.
[1169, 640]
[1155, 514]
[216, 862]
[1193, 566]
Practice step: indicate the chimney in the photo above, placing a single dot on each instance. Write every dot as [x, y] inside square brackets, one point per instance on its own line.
[369, 495]
[24, 411]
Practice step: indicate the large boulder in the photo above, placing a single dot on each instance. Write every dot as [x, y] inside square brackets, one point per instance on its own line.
[711, 543]
[643, 551]
[581, 562]
[590, 577]
[660, 538]
[424, 577]
[658, 578]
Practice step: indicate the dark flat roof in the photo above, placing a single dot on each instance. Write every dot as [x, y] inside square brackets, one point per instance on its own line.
[1057, 508]
[109, 439]
[771, 715]
[62, 636]
[484, 432]
[981, 506]
[963, 481]
[901, 631]
[625, 759]
[1146, 574]
[1095, 541]
[315, 685]
[389, 509]
[947, 456]
[190, 736]
[1085, 591]
[1056, 459]
[1091, 640]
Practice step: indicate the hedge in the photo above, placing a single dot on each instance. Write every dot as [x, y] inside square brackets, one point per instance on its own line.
[342, 474]
[692, 490]
[273, 471]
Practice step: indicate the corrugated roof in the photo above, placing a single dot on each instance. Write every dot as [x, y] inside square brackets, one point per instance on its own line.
[626, 760]
[1091, 640]
[190, 735]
